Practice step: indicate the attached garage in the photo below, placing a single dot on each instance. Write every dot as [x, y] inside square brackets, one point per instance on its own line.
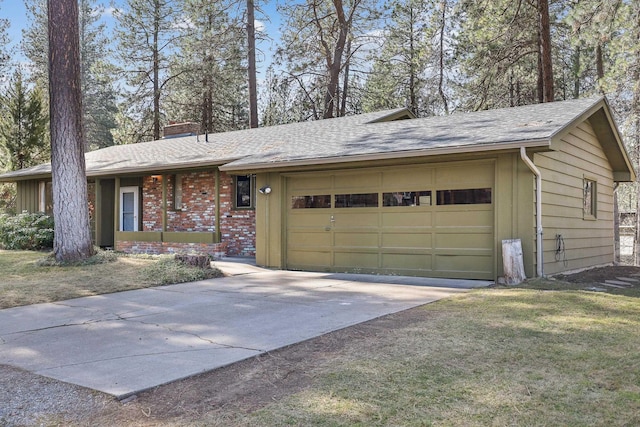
[426, 220]
[437, 196]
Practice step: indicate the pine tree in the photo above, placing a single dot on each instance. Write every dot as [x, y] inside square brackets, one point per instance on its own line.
[97, 75]
[210, 83]
[251, 69]
[398, 76]
[23, 125]
[72, 236]
[498, 52]
[147, 32]
[4, 42]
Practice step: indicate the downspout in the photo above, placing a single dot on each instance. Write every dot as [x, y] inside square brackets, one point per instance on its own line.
[536, 172]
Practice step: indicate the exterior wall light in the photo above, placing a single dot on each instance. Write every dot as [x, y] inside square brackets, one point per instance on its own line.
[265, 190]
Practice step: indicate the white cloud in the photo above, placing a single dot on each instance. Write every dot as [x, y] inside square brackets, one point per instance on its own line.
[108, 12]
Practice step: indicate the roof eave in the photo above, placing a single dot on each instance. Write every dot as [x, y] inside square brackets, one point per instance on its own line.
[606, 129]
[515, 145]
[157, 168]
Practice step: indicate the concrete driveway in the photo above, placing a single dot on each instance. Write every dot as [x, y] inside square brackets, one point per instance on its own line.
[130, 341]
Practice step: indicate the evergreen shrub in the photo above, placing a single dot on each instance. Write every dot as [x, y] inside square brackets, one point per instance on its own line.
[26, 231]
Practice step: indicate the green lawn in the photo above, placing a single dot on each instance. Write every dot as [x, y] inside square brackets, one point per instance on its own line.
[501, 357]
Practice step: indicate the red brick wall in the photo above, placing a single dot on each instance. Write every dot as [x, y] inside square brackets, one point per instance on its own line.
[237, 226]
[151, 204]
[181, 128]
[197, 211]
[216, 250]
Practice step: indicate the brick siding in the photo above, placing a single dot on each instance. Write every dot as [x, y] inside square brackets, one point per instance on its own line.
[216, 250]
[196, 213]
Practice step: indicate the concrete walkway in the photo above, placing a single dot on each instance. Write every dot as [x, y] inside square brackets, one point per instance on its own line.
[127, 342]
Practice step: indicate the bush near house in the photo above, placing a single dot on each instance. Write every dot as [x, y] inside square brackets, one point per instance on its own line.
[26, 231]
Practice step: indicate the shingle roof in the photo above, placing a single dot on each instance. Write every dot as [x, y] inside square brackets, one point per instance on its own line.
[336, 140]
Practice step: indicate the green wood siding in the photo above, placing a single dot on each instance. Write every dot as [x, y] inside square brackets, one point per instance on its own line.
[28, 196]
[587, 242]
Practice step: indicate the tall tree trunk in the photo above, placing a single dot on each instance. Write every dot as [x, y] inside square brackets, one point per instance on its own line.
[540, 82]
[635, 112]
[345, 83]
[72, 234]
[441, 58]
[253, 88]
[599, 67]
[545, 51]
[576, 73]
[413, 103]
[156, 72]
[335, 63]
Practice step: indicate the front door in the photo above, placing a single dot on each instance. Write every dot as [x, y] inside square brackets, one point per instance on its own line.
[129, 209]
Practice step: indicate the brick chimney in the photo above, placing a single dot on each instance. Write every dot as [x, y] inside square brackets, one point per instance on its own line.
[177, 130]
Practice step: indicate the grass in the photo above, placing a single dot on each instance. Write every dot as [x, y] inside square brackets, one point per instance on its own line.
[490, 357]
[26, 277]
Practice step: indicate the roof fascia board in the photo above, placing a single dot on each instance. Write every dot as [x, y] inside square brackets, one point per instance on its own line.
[543, 143]
[39, 176]
[591, 114]
[562, 132]
[397, 115]
[124, 171]
[154, 170]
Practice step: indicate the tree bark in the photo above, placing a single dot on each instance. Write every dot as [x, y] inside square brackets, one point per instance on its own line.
[345, 84]
[441, 55]
[253, 88]
[156, 72]
[335, 63]
[545, 51]
[72, 235]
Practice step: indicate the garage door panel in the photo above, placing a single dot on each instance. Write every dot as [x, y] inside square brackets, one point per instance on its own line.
[409, 179]
[359, 180]
[478, 174]
[395, 217]
[468, 218]
[309, 183]
[351, 219]
[464, 240]
[472, 263]
[357, 239]
[311, 239]
[406, 261]
[356, 260]
[310, 220]
[406, 240]
[310, 259]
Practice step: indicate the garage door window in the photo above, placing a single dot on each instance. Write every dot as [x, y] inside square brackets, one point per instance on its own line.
[407, 198]
[365, 200]
[311, 202]
[464, 197]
